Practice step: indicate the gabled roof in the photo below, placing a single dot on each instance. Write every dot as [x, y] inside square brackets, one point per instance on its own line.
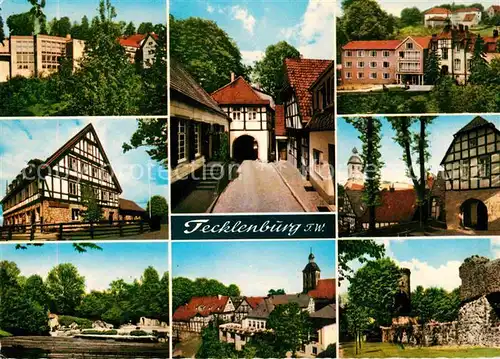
[327, 312]
[469, 17]
[254, 301]
[301, 74]
[128, 205]
[238, 92]
[476, 122]
[262, 310]
[183, 83]
[468, 9]
[322, 121]
[437, 18]
[437, 10]
[496, 8]
[203, 306]
[372, 45]
[135, 40]
[280, 129]
[325, 289]
[301, 299]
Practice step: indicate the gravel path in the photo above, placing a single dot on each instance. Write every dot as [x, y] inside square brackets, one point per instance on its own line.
[258, 188]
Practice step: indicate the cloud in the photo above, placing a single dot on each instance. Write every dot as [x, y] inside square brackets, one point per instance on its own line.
[210, 8]
[242, 14]
[495, 247]
[445, 276]
[249, 57]
[315, 33]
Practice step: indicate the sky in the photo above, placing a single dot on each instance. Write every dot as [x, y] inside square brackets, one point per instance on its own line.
[125, 260]
[255, 24]
[395, 6]
[434, 262]
[255, 267]
[137, 11]
[441, 135]
[23, 140]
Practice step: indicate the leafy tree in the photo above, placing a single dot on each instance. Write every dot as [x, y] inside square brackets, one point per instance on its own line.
[145, 28]
[66, 288]
[233, 290]
[93, 211]
[81, 31]
[2, 31]
[414, 143]
[211, 347]
[36, 291]
[94, 305]
[350, 250]
[373, 288]
[365, 20]
[20, 24]
[206, 51]
[432, 67]
[38, 17]
[130, 29]
[269, 71]
[261, 346]
[347, 3]
[60, 27]
[369, 133]
[276, 292]
[20, 315]
[157, 208]
[411, 16]
[151, 133]
[291, 328]
[357, 322]
[479, 70]
[150, 294]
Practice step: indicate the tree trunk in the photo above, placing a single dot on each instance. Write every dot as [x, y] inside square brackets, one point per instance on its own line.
[423, 176]
[369, 136]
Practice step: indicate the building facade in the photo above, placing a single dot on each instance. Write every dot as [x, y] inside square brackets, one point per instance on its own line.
[50, 191]
[410, 55]
[472, 175]
[140, 48]
[251, 111]
[440, 17]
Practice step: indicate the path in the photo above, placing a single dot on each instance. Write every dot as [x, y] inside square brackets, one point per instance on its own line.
[258, 188]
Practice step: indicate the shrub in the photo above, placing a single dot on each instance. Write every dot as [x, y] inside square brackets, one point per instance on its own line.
[100, 332]
[67, 320]
[138, 333]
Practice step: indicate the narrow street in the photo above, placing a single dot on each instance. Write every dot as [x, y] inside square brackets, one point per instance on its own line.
[258, 188]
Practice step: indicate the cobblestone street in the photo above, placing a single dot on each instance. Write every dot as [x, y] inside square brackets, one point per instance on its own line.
[258, 188]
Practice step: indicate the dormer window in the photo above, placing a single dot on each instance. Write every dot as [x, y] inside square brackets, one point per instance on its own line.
[409, 45]
[236, 113]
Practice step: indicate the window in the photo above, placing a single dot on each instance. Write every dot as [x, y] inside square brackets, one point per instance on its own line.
[361, 75]
[252, 113]
[181, 141]
[348, 75]
[387, 75]
[444, 54]
[409, 45]
[386, 53]
[373, 75]
[348, 64]
[484, 167]
[348, 53]
[75, 214]
[105, 175]
[25, 55]
[373, 64]
[95, 172]
[386, 64]
[373, 53]
[85, 168]
[361, 64]
[236, 113]
[473, 142]
[465, 165]
[73, 191]
[361, 53]
[73, 164]
[105, 196]
[457, 64]
[197, 144]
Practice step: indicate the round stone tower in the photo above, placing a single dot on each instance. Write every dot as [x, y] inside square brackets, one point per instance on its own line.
[403, 296]
[310, 274]
[355, 167]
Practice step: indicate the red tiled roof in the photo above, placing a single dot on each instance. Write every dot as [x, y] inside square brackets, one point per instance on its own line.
[396, 206]
[423, 40]
[469, 17]
[301, 73]
[280, 129]
[203, 306]
[254, 301]
[496, 8]
[134, 40]
[467, 9]
[324, 290]
[355, 186]
[437, 18]
[437, 10]
[238, 92]
[372, 45]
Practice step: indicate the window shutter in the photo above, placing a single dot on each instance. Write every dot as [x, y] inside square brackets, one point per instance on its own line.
[190, 139]
[174, 150]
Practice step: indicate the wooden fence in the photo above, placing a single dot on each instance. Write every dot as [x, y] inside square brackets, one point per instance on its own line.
[74, 230]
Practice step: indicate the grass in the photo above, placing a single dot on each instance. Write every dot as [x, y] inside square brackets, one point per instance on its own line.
[4, 334]
[388, 350]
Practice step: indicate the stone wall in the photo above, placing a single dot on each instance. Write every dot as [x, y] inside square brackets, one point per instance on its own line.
[431, 334]
[479, 323]
[480, 277]
[490, 197]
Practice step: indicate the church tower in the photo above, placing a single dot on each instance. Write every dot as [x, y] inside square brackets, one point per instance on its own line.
[355, 168]
[310, 274]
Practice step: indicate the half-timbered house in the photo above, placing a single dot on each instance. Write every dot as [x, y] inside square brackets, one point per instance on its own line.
[251, 111]
[197, 125]
[140, 48]
[472, 174]
[50, 191]
[245, 306]
[300, 75]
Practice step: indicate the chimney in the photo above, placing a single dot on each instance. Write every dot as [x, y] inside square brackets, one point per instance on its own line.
[232, 76]
[495, 33]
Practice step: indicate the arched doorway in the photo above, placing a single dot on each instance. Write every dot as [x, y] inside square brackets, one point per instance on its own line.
[245, 148]
[474, 214]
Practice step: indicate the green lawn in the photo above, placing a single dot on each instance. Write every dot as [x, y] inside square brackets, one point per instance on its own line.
[388, 350]
[4, 334]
